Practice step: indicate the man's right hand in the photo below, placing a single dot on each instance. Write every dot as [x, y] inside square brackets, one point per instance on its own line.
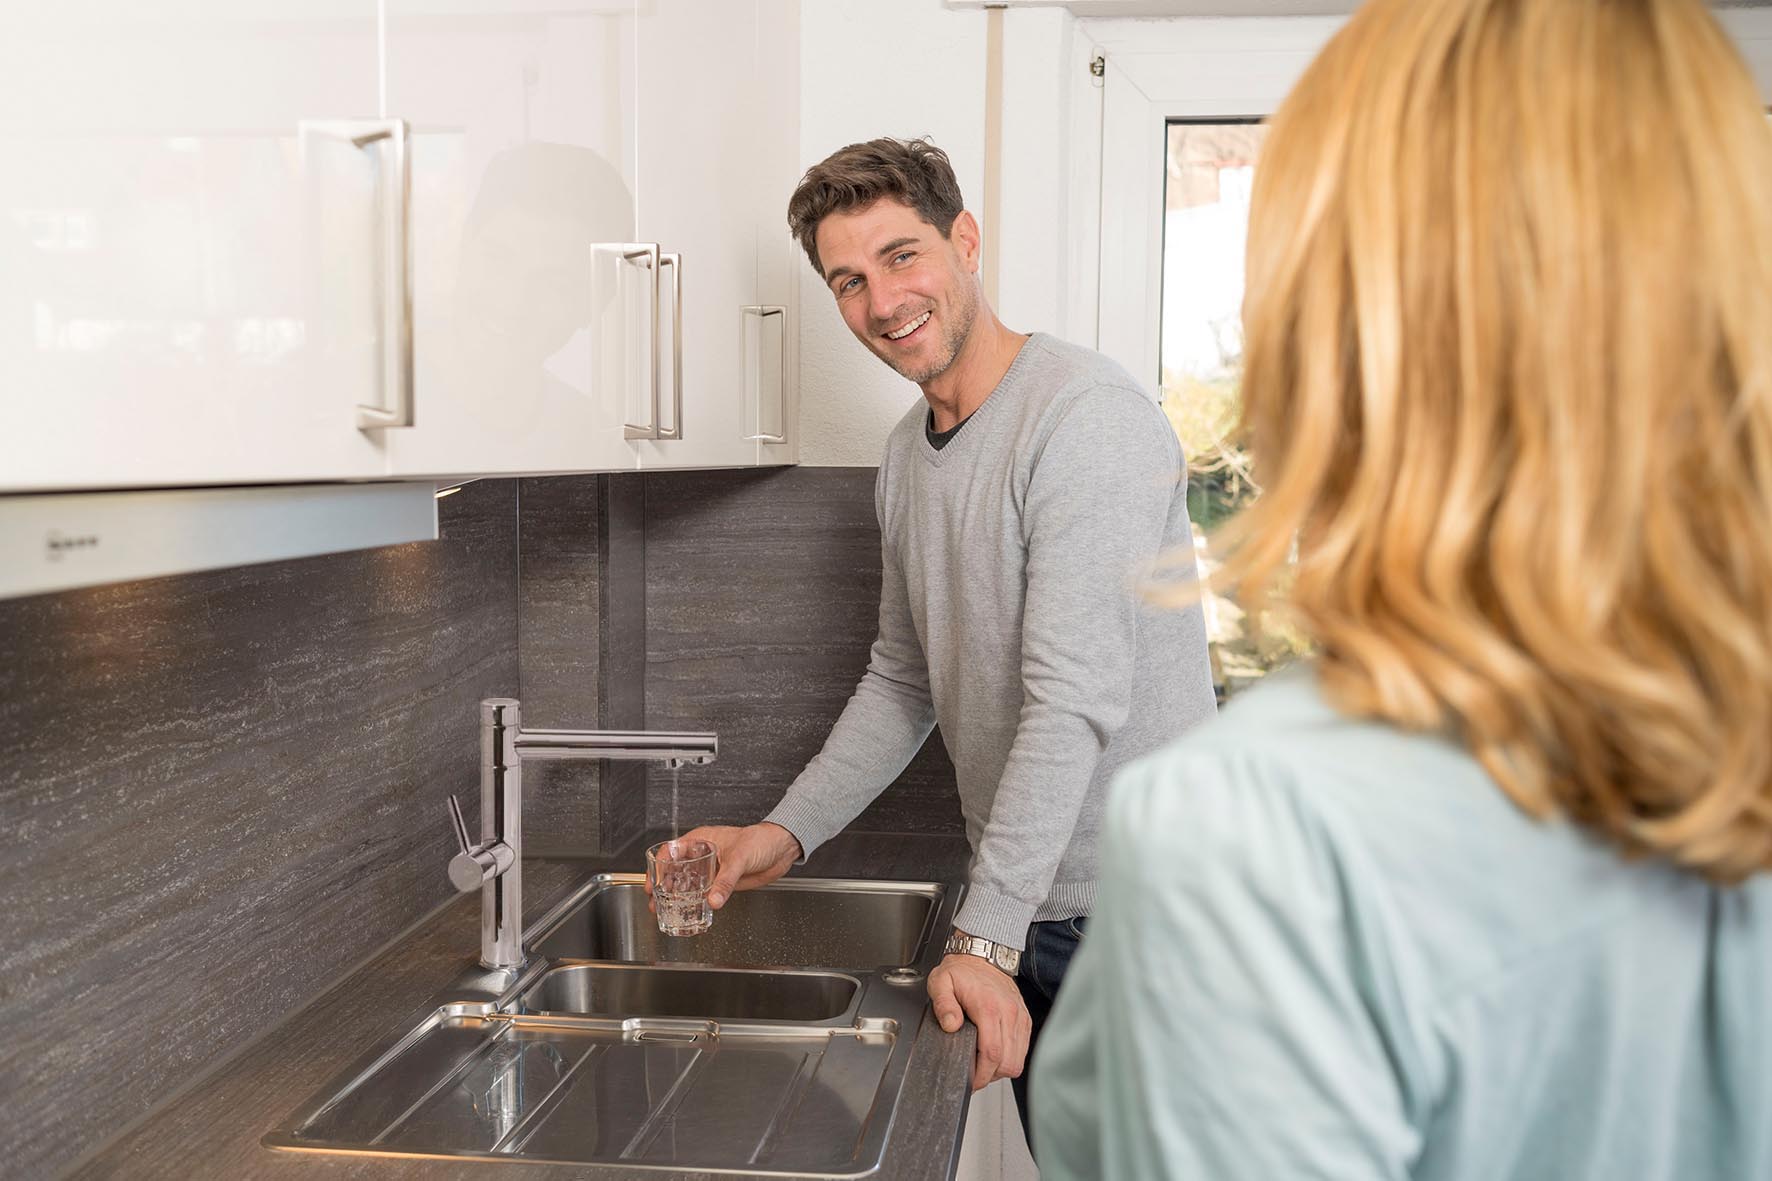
[749, 857]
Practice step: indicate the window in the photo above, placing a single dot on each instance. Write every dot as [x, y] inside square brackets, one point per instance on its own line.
[1208, 175]
[1182, 109]
[1179, 105]
[1209, 172]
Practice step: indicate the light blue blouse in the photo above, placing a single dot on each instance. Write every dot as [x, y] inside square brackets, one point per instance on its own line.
[1326, 948]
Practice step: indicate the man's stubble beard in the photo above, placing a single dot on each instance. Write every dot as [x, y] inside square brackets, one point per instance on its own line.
[953, 340]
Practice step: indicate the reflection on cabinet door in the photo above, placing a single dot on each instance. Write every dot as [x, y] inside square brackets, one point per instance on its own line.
[765, 392]
[189, 292]
[523, 165]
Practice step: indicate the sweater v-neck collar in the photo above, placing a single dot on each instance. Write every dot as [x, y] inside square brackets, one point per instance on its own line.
[960, 442]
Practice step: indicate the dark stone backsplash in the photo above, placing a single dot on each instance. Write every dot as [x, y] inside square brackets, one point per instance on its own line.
[221, 790]
[762, 599]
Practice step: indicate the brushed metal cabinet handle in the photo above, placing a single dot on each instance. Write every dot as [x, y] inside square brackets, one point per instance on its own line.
[675, 431]
[646, 254]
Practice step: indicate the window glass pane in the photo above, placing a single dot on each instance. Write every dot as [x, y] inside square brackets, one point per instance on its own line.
[1210, 170]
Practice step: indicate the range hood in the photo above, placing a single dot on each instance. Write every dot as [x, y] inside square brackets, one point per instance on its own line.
[59, 541]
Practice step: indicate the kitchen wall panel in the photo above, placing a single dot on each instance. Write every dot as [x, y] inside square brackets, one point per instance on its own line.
[762, 599]
[559, 604]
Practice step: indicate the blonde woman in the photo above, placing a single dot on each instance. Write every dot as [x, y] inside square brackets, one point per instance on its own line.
[1481, 892]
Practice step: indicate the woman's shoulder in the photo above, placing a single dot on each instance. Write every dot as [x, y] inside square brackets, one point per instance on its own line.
[1283, 797]
[1284, 736]
[1281, 757]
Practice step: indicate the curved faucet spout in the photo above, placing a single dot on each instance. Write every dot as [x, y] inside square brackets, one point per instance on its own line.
[617, 744]
[495, 863]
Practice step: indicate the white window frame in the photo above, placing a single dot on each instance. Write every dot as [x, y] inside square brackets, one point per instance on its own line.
[1232, 68]
[1156, 71]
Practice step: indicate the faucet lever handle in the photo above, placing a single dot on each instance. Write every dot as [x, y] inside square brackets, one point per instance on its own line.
[475, 865]
[461, 825]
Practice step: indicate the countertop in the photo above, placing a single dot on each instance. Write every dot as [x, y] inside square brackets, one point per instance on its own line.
[213, 1129]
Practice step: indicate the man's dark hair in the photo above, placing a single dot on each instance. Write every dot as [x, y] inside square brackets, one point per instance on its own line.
[913, 171]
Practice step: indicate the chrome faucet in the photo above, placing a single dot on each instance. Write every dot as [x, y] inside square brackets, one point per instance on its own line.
[495, 864]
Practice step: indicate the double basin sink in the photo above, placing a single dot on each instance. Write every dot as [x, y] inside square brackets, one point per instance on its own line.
[774, 1043]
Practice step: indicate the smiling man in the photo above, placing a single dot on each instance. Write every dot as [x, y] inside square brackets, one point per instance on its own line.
[1019, 504]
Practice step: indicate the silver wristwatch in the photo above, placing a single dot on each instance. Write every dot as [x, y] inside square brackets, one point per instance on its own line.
[1000, 955]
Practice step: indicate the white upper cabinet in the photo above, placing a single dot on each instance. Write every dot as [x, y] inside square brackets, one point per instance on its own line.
[191, 291]
[718, 137]
[526, 323]
[589, 181]
[267, 241]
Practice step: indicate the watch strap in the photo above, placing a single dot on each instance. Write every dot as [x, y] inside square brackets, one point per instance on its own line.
[1004, 958]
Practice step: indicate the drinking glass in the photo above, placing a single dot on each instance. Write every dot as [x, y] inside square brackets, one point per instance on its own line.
[679, 873]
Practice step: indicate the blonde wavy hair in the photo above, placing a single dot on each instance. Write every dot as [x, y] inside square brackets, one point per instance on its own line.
[1508, 386]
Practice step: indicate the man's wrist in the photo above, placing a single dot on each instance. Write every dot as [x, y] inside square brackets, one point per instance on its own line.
[788, 842]
[1001, 956]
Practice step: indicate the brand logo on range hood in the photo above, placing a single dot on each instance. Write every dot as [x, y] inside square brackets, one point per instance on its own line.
[59, 544]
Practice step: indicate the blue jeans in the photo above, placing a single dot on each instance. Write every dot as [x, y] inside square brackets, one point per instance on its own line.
[1043, 963]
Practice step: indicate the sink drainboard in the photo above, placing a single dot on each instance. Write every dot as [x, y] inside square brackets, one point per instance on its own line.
[496, 1088]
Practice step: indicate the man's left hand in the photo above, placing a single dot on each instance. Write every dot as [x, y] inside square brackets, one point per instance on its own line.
[970, 988]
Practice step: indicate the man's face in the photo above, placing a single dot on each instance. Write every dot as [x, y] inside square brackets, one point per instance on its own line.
[905, 291]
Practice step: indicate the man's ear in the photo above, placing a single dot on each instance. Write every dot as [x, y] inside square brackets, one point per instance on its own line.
[964, 235]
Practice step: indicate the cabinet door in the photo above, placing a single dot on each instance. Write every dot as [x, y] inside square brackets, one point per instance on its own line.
[701, 125]
[182, 299]
[772, 408]
[523, 158]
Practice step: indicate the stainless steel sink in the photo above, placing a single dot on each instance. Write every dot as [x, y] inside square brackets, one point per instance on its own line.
[777, 1043]
[630, 990]
[805, 923]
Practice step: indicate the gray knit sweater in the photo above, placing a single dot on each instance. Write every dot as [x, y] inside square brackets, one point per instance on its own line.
[1009, 614]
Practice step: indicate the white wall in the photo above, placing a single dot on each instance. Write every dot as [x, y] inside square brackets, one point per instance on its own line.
[907, 68]
[1752, 30]
[1047, 242]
